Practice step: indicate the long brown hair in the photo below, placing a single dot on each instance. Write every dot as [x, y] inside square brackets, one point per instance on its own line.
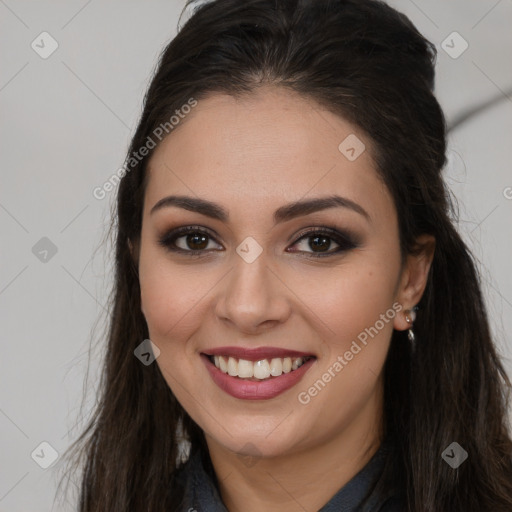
[363, 60]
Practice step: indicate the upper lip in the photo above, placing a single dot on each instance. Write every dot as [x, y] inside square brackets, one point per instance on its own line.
[255, 354]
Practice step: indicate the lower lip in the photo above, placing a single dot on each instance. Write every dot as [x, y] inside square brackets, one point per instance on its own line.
[252, 390]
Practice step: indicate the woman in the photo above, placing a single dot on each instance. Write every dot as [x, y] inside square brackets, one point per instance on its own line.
[319, 339]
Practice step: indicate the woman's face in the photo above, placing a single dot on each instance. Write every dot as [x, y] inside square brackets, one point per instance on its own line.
[270, 274]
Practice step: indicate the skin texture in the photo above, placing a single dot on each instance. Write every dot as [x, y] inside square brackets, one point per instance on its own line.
[252, 155]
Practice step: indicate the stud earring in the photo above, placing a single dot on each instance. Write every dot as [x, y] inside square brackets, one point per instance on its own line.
[410, 316]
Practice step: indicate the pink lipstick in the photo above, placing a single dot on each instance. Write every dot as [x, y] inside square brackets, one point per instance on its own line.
[273, 370]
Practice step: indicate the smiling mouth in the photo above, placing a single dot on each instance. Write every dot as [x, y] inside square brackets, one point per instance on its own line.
[260, 370]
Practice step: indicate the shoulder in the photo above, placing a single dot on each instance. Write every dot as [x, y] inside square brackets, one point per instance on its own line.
[198, 487]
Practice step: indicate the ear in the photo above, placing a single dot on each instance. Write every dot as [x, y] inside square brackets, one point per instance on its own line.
[413, 279]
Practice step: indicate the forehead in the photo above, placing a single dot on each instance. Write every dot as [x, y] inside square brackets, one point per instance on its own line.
[266, 148]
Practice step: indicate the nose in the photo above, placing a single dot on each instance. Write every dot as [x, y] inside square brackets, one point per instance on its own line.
[252, 297]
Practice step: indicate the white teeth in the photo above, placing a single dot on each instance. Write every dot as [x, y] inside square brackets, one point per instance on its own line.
[260, 370]
[297, 362]
[245, 369]
[232, 367]
[276, 367]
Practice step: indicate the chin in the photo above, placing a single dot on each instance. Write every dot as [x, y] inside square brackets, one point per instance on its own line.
[249, 438]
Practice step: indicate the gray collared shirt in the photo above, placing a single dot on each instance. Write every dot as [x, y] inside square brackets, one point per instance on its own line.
[358, 495]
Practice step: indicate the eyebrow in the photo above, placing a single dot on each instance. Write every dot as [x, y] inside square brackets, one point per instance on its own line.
[282, 214]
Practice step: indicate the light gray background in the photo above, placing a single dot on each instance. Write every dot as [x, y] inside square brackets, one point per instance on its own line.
[65, 126]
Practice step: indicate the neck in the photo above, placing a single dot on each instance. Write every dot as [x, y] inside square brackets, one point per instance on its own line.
[303, 479]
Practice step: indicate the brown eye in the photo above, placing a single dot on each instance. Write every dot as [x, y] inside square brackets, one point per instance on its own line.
[195, 241]
[319, 242]
[188, 239]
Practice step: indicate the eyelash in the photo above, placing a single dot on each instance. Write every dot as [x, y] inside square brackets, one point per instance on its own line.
[345, 241]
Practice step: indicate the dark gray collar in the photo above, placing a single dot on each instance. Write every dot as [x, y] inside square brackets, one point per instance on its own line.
[360, 494]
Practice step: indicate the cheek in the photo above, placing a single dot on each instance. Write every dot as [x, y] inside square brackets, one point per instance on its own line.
[353, 306]
[356, 312]
[170, 295]
[173, 299]
[348, 298]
